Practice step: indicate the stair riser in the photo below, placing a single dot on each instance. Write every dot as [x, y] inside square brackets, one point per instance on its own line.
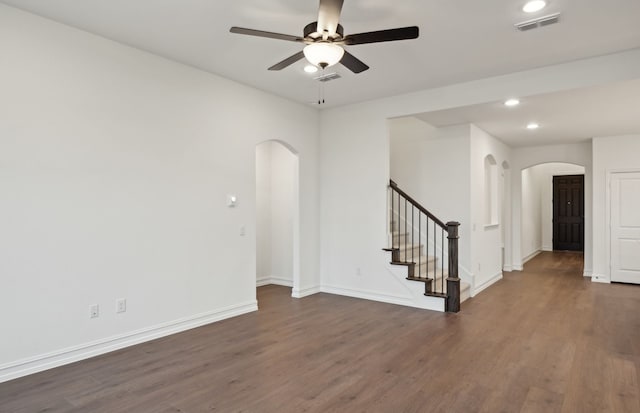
[436, 286]
[430, 274]
[399, 239]
[426, 265]
[465, 289]
[410, 253]
[400, 242]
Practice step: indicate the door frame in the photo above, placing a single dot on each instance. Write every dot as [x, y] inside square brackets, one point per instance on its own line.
[553, 213]
[295, 287]
[608, 198]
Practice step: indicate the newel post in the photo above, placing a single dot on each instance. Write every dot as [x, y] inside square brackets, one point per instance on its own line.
[453, 282]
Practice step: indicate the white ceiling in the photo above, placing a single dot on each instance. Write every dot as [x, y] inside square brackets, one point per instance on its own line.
[460, 40]
[567, 117]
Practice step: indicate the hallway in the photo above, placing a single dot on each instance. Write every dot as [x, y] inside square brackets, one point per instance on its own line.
[544, 340]
[560, 342]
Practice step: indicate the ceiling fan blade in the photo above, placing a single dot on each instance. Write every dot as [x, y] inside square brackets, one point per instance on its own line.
[288, 61]
[329, 16]
[353, 63]
[403, 33]
[270, 35]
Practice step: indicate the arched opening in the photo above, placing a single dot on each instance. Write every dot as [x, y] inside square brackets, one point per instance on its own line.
[277, 215]
[540, 225]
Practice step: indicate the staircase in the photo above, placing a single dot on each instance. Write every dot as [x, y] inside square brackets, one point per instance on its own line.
[418, 243]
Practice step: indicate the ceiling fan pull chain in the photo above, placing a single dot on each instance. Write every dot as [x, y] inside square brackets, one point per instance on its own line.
[321, 89]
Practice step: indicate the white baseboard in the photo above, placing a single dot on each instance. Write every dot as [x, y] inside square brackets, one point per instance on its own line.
[429, 303]
[602, 279]
[494, 279]
[281, 281]
[69, 355]
[507, 268]
[367, 295]
[547, 248]
[587, 273]
[518, 268]
[285, 282]
[304, 292]
[263, 281]
[530, 256]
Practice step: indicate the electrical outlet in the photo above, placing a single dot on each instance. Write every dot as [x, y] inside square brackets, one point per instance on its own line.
[242, 231]
[358, 272]
[121, 305]
[94, 311]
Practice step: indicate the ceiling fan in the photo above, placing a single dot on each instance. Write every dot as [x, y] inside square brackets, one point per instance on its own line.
[325, 39]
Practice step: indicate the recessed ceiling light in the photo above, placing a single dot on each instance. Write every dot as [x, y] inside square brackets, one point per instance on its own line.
[533, 126]
[534, 6]
[310, 68]
[512, 102]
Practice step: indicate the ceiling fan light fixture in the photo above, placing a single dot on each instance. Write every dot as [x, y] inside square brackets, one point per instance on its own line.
[323, 54]
[534, 6]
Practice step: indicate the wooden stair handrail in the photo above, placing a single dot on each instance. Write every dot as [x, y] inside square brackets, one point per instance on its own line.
[417, 204]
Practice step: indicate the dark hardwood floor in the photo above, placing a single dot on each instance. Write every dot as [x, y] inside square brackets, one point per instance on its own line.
[543, 340]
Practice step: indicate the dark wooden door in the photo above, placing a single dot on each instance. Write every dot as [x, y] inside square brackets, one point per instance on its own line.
[568, 212]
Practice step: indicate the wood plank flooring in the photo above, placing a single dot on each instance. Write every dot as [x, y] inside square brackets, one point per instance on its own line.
[543, 340]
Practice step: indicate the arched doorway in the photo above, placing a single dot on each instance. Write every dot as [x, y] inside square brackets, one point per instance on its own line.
[277, 215]
[537, 220]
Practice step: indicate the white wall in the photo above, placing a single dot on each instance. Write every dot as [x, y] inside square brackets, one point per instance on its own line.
[275, 197]
[531, 213]
[418, 164]
[115, 165]
[523, 158]
[407, 137]
[445, 173]
[263, 212]
[354, 159]
[486, 242]
[283, 180]
[505, 179]
[443, 169]
[610, 154]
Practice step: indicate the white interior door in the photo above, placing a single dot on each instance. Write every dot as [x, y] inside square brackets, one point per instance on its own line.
[625, 227]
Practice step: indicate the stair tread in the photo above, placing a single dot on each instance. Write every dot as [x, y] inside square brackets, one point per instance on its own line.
[441, 295]
[426, 274]
[419, 279]
[422, 259]
[408, 246]
[405, 263]
[463, 285]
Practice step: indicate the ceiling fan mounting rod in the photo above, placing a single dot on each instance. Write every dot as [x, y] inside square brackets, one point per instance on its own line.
[310, 32]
